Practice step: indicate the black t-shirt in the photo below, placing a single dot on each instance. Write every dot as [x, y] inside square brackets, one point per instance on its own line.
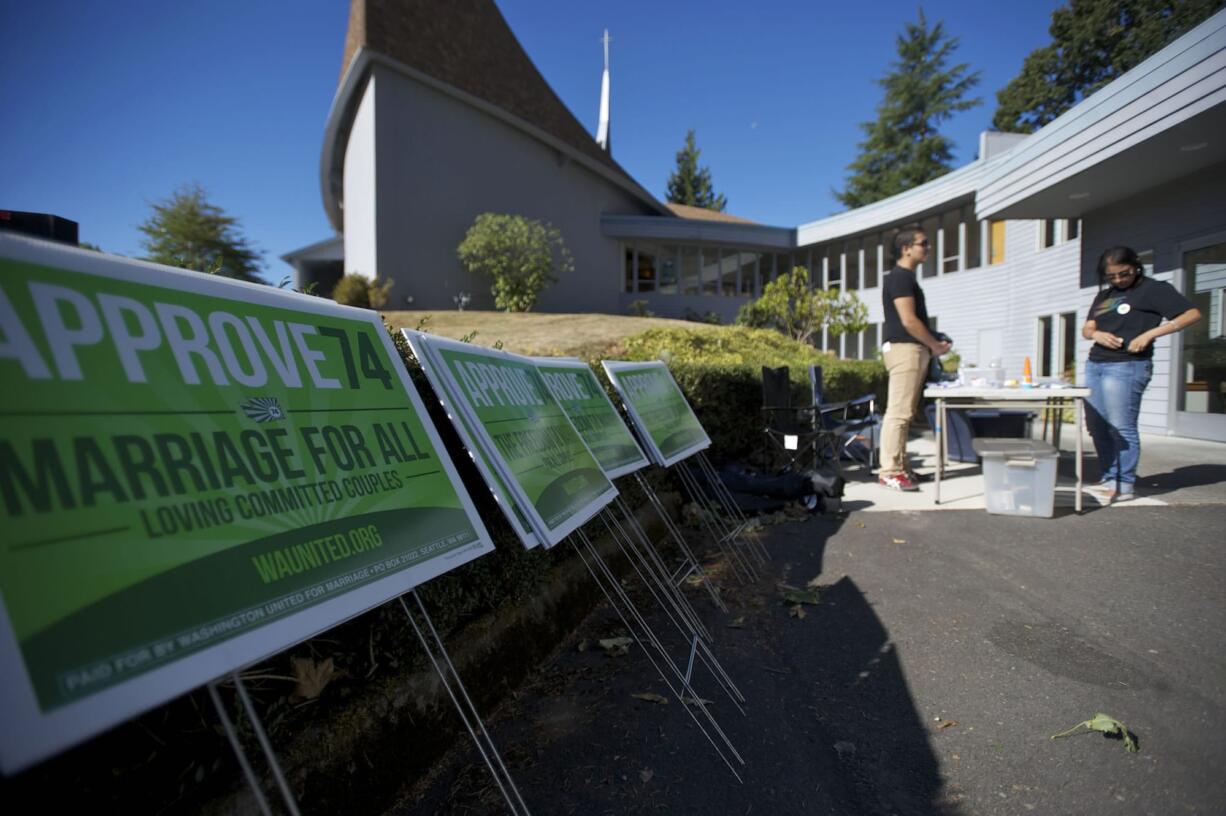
[900, 282]
[1128, 313]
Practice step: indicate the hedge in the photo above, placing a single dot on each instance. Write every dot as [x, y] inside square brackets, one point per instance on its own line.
[720, 372]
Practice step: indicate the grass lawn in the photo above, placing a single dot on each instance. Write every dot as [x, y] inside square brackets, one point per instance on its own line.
[553, 335]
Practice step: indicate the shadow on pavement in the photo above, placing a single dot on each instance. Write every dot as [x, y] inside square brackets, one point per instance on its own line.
[830, 725]
[1182, 477]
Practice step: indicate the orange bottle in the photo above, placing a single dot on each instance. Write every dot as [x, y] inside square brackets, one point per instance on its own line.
[1027, 378]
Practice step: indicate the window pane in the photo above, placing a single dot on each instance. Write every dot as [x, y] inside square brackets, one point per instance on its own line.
[729, 265]
[749, 273]
[628, 265]
[851, 260]
[782, 266]
[646, 267]
[1203, 390]
[872, 269]
[973, 257]
[690, 280]
[1068, 346]
[1044, 347]
[853, 345]
[870, 342]
[666, 262]
[1047, 232]
[710, 271]
[929, 227]
[834, 263]
[804, 259]
[1073, 228]
[949, 227]
[996, 237]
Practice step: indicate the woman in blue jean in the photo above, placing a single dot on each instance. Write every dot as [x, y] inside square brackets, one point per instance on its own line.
[1124, 320]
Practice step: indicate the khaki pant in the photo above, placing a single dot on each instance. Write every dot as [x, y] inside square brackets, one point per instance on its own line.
[908, 367]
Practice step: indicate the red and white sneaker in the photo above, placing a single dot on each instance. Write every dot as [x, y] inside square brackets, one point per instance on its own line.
[899, 482]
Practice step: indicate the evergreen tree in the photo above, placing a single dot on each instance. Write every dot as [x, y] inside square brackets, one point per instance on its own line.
[691, 184]
[187, 231]
[1093, 42]
[903, 148]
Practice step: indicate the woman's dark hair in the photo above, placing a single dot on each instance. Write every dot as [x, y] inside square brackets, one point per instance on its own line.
[1118, 255]
[904, 238]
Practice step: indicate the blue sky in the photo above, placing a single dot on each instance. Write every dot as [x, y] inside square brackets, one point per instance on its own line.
[110, 106]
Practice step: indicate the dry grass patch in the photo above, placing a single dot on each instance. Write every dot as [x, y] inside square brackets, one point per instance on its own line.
[552, 335]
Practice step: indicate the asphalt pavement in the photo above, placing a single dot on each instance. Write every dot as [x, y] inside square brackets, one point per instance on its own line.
[944, 651]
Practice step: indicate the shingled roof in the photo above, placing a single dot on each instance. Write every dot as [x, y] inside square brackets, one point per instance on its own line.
[468, 45]
[703, 214]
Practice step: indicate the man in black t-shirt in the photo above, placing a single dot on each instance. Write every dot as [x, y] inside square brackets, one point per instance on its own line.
[907, 348]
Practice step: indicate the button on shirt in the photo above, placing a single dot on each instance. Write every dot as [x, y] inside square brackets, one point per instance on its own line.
[1129, 313]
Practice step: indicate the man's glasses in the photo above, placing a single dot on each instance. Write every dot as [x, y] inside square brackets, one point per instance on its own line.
[923, 243]
[1128, 273]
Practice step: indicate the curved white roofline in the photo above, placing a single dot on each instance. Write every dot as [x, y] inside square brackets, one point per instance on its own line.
[1183, 80]
[344, 106]
[918, 200]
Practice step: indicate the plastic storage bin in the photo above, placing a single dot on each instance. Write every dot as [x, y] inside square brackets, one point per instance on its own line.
[1019, 476]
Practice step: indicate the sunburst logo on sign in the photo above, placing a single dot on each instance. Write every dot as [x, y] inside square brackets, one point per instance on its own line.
[263, 409]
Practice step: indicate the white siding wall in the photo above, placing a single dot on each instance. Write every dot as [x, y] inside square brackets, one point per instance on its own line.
[442, 162]
[1011, 296]
[360, 211]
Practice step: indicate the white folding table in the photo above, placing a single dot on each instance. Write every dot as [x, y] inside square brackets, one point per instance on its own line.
[1038, 399]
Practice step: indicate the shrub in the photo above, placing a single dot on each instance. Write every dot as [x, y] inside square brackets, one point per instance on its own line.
[790, 304]
[720, 372]
[361, 291]
[518, 254]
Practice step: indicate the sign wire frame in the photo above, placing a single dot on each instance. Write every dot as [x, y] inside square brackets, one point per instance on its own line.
[623, 606]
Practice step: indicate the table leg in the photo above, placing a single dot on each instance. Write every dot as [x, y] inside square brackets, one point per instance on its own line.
[1058, 425]
[940, 439]
[1078, 409]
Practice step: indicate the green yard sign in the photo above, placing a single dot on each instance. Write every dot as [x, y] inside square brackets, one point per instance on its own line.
[504, 497]
[524, 432]
[574, 385]
[194, 474]
[660, 412]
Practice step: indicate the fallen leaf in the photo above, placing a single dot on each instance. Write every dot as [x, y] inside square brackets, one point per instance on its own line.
[900, 541]
[801, 596]
[739, 623]
[651, 697]
[1109, 726]
[813, 582]
[646, 774]
[943, 724]
[860, 524]
[312, 677]
[616, 647]
[695, 701]
[797, 611]
[583, 645]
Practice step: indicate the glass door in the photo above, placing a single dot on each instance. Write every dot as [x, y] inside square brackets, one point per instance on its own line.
[1201, 400]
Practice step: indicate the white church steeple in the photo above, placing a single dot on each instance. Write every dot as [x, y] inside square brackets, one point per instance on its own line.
[602, 130]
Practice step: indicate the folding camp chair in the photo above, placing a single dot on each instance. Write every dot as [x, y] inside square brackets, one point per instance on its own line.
[793, 438]
[853, 425]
